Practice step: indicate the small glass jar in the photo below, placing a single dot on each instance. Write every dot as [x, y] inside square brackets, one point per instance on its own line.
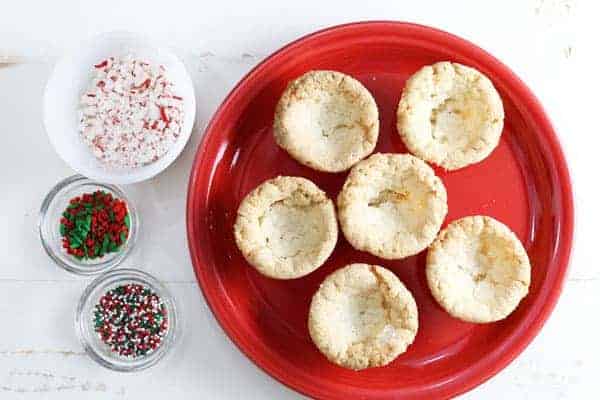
[51, 211]
[101, 352]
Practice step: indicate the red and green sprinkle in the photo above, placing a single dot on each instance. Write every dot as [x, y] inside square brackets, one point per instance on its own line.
[131, 319]
[94, 224]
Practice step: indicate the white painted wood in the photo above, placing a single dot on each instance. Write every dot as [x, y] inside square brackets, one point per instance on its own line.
[551, 44]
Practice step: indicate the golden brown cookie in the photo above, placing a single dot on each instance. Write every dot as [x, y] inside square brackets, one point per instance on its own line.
[450, 115]
[286, 227]
[478, 270]
[326, 120]
[392, 205]
[362, 316]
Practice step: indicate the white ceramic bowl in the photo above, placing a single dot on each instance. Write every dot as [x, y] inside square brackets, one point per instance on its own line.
[71, 77]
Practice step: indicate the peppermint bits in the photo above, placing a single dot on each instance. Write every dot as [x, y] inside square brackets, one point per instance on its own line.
[131, 319]
[130, 115]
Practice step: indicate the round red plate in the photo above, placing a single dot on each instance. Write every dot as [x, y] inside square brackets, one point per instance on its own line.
[524, 183]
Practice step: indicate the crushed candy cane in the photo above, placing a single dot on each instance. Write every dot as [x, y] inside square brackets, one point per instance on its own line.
[130, 115]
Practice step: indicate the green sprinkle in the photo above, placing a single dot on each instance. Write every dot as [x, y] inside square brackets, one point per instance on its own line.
[76, 235]
[127, 221]
[113, 247]
[105, 243]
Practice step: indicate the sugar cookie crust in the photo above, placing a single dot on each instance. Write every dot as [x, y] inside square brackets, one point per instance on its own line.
[362, 316]
[392, 205]
[450, 115]
[326, 120]
[286, 227]
[478, 270]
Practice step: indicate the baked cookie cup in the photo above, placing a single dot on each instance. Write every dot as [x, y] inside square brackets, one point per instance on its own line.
[392, 205]
[286, 227]
[326, 120]
[450, 115]
[478, 270]
[362, 316]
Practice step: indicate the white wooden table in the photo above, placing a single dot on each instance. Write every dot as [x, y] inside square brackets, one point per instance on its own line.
[550, 44]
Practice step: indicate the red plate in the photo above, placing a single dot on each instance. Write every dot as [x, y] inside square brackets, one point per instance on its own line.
[524, 183]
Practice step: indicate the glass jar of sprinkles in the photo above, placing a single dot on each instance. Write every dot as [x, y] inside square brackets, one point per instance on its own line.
[126, 320]
[87, 227]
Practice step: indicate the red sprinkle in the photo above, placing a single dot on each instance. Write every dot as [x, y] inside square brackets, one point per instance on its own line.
[102, 64]
[94, 224]
[163, 115]
[144, 85]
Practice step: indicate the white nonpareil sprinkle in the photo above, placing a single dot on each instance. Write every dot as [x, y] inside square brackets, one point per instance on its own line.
[129, 114]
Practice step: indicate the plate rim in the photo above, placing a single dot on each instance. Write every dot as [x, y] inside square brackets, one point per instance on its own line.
[539, 115]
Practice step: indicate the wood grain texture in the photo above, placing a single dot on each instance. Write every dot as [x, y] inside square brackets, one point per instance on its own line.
[548, 43]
